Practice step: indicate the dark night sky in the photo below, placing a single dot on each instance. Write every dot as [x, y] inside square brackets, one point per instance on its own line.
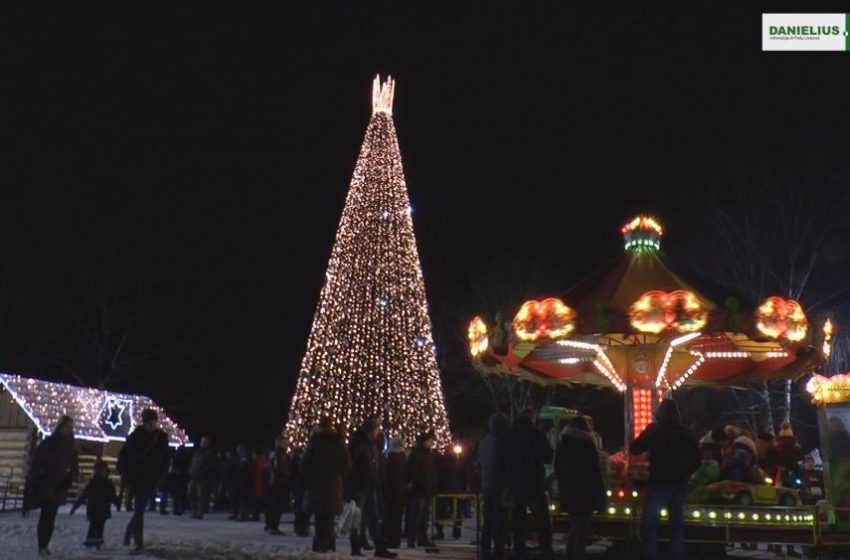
[210, 150]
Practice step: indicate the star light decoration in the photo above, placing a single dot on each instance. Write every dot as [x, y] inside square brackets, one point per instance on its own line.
[113, 412]
[370, 351]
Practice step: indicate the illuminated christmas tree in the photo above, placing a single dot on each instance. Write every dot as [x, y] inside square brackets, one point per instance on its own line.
[370, 351]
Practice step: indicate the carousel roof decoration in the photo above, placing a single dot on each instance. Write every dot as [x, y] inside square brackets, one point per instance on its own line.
[478, 335]
[98, 415]
[826, 349]
[642, 321]
[829, 390]
[547, 319]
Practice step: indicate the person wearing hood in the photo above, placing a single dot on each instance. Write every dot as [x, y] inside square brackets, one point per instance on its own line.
[527, 451]
[579, 475]
[324, 466]
[421, 486]
[365, 483]
[395, 491]
[98, 495]
[491, 466]
[54, 468]
[673, 458]
[142, 460]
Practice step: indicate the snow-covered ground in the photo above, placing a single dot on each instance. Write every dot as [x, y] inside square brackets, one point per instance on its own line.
[216, 538]
[169, 537]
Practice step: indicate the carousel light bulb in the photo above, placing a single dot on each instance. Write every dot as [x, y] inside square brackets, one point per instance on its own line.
[370, 352]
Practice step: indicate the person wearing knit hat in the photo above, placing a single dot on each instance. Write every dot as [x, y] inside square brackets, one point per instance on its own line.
[708, 471]
[788, 452]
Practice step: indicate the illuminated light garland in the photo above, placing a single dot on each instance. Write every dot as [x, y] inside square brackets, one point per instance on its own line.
[727, 354]
[478, 337]
[549, 318]
[657, 311]
[740, 354]
[643, 233]
[574, 361]
[601, 363]
[45, 402]
[370, 352]
[827, 338]
[781, 318]
[641, 409]
[662, 371]
[829, 390]
[700, 359]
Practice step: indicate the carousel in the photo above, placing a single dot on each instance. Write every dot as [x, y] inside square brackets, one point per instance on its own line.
[646, 328]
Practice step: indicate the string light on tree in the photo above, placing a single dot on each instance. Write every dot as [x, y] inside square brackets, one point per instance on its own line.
[371, 351]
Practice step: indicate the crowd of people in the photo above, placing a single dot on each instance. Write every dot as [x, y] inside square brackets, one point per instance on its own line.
[368, 488]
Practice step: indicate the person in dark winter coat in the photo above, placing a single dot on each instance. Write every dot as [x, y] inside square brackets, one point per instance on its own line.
[789, 454]
[142, 460]
[54, 469]
[243, 484]
[395, 492]
[325, 465]
[277, 486]
[227, 482]
[527, 451]
[839, 437]
[740, 463]
[421, 487]
[301, 524]
[673, 458]
[258, 481]
[451, 479]
[202, 473]
[491, 465]
[579, 475]
[365, 483]
[98, 495]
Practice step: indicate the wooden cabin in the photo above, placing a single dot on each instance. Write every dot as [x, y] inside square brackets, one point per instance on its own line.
[31, 408]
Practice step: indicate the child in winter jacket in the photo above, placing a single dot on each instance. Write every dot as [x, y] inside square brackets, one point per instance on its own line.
[708, 471]
[812, 481]
[740, 462]
[98, 495]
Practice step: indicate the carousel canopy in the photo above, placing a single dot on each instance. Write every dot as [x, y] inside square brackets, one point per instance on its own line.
[640, 321]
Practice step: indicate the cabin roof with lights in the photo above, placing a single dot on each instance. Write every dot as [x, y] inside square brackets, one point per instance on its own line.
[98, 415]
